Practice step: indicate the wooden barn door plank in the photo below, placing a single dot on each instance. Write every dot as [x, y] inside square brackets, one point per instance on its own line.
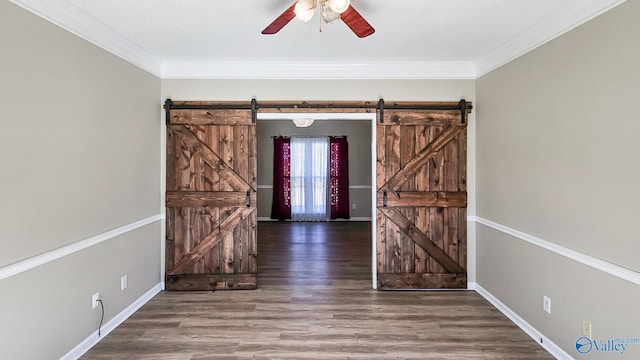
[393, 236]
[407, 153]
[422, 187]
[252, 247]
[227, 184]
[211, 173]
[212, 186]
[241, 167]
[455, 199]
[421, 200]
[435, 215]
[208, 198]
[462, 187]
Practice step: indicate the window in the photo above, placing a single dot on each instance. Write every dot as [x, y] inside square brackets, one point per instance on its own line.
[310, 178]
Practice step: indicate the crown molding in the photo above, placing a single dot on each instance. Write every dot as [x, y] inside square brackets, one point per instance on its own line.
[75, 20]
[317, 70]
[66, 15]
[545, 30]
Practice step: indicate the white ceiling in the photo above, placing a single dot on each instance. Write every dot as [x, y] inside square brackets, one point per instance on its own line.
[413, 38]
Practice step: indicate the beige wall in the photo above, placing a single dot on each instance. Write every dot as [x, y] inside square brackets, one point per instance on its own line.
[557, 147]
[329, 90]
[80, 156]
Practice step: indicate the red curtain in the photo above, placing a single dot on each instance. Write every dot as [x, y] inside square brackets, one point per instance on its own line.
[281, 204]
[339, 177]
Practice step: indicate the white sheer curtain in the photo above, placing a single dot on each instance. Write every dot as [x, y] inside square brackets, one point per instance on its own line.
[309, 180]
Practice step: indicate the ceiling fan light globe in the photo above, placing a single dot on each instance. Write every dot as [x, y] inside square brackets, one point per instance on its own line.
[303, 14]
[308, 4]
[329, 16]
[339, 6]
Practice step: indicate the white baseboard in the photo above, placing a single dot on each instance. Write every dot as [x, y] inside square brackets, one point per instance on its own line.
[547, 344]
[363, 218]
[110, 325]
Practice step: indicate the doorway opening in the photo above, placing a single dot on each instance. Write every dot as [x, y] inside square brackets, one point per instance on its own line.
[359, 128]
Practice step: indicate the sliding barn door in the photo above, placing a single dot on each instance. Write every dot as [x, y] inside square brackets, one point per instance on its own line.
[211, 199]
[421, 200]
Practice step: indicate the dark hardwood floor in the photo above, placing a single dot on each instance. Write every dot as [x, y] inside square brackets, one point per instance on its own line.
[315, 301]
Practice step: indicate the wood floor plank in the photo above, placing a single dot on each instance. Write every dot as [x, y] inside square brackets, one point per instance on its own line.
[314, 301]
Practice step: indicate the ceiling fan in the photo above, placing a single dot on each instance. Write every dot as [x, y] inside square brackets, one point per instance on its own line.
[331, 11]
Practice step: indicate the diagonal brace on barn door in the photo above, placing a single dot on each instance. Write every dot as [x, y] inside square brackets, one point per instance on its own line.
[210, 241]
[211, 158]
[418, 160]
[422, 240]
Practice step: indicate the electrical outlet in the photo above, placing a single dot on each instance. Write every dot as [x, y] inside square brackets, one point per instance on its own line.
[353, 206]
[546, 304]
[123, 282]
[94, 300]
[586, 329]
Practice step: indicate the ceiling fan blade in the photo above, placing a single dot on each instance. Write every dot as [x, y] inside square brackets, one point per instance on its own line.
[357, 23]
[280, 21]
